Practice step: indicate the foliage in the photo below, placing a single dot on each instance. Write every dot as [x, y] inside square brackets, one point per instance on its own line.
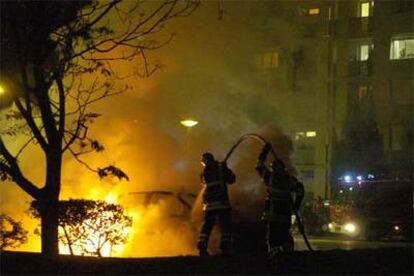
[12, 234]
[360, 151]
[58, 55]
[87, 226]
[111, 170]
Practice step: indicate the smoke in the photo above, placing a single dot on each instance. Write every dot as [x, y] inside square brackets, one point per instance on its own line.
[160, 229]
[208, 74]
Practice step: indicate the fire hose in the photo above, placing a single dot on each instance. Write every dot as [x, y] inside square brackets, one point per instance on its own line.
[263, 141]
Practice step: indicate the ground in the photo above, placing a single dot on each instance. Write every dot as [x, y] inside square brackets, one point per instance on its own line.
[384, 261]
[342, 242]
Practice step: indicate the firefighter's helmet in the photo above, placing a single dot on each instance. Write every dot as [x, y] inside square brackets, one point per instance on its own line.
[207, 158]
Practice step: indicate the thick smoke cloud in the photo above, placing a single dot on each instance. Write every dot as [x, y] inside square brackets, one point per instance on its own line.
[208, 74]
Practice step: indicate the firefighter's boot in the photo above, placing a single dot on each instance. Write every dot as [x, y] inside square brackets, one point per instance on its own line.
[288, 247]
[202, 244]
[203, 253]
[226, 244]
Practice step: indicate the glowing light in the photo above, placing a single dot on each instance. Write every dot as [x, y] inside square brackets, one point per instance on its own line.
[359, 177]
[350, 227]
[364, 12]
[189, 123]
[397, 228]
[299, 135]
[313, 11]
[310, 133]
[2, 90]
[348, 178]
[370, 176]
[90, 245]
[330, 225]
[351, 188]
[111, 198]
[340, 191]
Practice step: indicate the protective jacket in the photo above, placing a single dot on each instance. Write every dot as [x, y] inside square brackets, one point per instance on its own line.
[215, 177]
[281, 186]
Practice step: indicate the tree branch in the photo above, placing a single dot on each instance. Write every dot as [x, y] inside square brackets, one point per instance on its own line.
[81, 161]
[62, 109]
[31, 123]
[100, 16]
[14, 171]
[24, 146]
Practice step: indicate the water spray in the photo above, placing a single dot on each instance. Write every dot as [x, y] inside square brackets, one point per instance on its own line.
[263, 142]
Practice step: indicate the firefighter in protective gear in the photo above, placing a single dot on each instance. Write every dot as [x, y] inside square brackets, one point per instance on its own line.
[279, 204]
[216, 205]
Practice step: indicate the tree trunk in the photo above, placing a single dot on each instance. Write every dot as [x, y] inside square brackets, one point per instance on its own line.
[49, 228]
[49, 204]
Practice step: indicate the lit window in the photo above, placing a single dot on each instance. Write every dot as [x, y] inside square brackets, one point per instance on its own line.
[299, 135]
[364, 9]
[402, 48]
[268, 60]
[364, 51]
[313, 11]
[362, 92]
[302, 134]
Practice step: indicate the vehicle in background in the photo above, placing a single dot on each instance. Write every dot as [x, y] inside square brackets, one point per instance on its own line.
[372, 209]
[316, 216]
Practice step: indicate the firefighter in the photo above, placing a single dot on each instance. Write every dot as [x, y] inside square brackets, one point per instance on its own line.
[216, 205]
[279, 203]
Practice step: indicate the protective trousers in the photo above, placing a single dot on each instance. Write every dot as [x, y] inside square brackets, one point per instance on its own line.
[224, 221]
[279, 238]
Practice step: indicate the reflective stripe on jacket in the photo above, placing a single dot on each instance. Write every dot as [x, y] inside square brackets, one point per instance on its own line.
[215, 178]
[217, 205]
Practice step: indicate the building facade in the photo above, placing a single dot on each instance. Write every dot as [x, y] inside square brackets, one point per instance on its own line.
[373, 64]
[332, 64]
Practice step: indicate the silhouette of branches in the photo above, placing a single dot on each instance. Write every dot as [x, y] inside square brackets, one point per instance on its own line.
[12, 234]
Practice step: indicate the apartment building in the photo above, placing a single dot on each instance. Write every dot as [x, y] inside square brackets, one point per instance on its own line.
[373, 62]
[321, 61]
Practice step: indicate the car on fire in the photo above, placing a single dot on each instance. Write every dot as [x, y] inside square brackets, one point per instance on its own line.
[185, 211]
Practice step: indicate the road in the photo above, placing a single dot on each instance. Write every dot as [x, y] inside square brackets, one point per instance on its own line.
[329, 243]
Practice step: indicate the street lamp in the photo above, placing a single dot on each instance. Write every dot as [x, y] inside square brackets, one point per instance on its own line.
[189, 123]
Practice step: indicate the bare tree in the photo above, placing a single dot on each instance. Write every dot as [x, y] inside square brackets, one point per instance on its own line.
[12, 234]
[56, 61]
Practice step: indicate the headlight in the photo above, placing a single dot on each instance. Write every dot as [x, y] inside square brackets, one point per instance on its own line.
[350, 227]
